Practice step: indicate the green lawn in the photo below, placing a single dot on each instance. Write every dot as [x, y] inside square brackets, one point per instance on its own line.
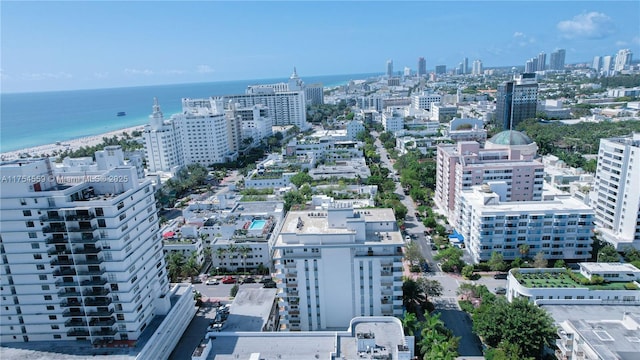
[561, 280]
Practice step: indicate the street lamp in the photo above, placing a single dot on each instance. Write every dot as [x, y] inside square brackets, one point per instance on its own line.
[217, 270]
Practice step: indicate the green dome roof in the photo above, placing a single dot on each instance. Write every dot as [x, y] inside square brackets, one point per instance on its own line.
[511, 137]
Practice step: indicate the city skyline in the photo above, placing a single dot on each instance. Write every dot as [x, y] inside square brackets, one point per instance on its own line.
[85, 45]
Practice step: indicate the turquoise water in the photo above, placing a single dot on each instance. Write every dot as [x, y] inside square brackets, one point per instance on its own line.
[32, 119]
[257, 224]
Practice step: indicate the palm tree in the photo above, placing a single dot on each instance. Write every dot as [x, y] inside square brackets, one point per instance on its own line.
[412, 295]
[191, 268]
[220, 254]
[175, 261]
[232, 249]
[244, 250]
[524, 250]
[410, 324]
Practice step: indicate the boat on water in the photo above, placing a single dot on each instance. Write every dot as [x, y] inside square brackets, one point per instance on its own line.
[121, 113]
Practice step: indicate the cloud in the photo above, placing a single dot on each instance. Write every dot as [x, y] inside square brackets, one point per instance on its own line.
[521, 39]
[518, 34]
[204, 69]
[592, 25]
[101, 75]
[175, 72]
[46, 75]
[138, 71]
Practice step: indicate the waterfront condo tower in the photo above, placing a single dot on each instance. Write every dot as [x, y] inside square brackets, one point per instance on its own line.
[516, 100]
[80, 256]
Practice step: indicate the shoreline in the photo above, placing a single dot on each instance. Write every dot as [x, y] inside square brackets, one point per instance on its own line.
[73, 144]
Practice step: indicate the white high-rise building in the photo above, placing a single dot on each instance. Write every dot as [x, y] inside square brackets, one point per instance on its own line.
[337, 263]
[623, 60]
[80, 255]
[254, 122]
[477, 67]
[286, 102]
[597, 63]
[162, 141]
[617, 193]
[204, 131]
[201, 133]
[607, 65]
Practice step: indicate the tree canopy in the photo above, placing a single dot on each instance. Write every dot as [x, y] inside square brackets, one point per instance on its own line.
[520, 323]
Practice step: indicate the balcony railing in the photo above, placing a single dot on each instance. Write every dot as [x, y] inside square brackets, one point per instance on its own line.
[68, 313]
[89, 261]
[75, 322]
[97, 301]
[96, 292]
[54, 229]
[104, 332]
[92, 272]
[56, 240]
[87, 250]
[83, 228]
[56, 262]
[55, 251]
[101, 312]
[67, 293]
[80, 217]
[64, 272]
[94, 282]
[102, 322]
[66, 283]
[68, 303]
[78, 332]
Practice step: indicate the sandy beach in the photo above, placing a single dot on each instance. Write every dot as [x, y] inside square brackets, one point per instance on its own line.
[74, 144]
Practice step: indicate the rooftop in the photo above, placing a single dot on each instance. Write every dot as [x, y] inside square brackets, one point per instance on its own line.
[250, 309]
[561, 278]
[511, 137]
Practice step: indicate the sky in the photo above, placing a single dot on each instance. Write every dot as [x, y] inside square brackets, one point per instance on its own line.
[52, 45]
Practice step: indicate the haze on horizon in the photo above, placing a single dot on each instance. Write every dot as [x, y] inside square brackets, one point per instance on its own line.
[52, 45]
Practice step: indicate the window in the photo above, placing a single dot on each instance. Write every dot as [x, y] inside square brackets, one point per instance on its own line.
[35, 246]
[50, 307]
[45, 287]
[47, 297]
[57, 336]
[29, 224]
[55, 327]
[40, 267]
[53, 317]
[42, 277]
[26, 212]
[33, 235]
[37, 256]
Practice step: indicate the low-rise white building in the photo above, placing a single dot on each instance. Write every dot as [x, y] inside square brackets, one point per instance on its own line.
[616, 284]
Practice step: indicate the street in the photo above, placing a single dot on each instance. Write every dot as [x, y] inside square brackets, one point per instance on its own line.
[454, 319]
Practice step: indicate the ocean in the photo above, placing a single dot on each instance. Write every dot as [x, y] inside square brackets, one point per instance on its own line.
[32, 119]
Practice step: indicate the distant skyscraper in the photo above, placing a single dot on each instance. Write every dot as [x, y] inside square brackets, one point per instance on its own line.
[441, 69]
[389, 67]
[556, 61]
[465, 64]
[477, 67]
[531, 65]
[422, 66]
[597, 63]
[607, 63]
[623, 59]
[460, 69]
[407, 71]
[542, 61]
[516, 100]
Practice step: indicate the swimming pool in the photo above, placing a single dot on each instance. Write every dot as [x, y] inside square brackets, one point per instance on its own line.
[257, 224]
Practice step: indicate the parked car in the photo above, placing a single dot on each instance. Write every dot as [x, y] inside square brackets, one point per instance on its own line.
[501, 291]
[500, 276]
[266, 280]
[228, 280]
[212, 282]
[269, 285]
[249, 280]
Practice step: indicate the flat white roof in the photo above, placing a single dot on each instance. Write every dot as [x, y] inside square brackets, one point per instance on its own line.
[609, 267]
